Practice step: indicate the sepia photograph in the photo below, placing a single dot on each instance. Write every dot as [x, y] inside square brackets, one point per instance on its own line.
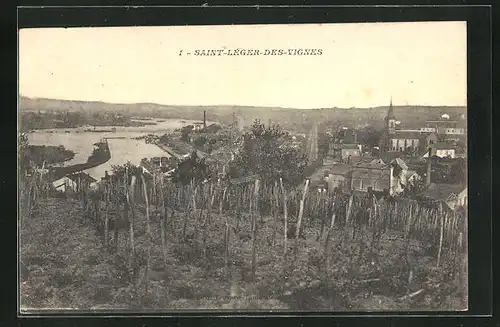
[258, 168]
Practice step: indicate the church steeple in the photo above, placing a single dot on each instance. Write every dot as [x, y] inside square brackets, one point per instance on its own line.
[390, 120]
[390, 112]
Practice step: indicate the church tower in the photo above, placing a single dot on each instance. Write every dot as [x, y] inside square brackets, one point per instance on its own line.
[390, 120]
[389, 130]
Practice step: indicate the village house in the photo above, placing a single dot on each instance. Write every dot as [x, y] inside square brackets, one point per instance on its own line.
[452, 196]
[378, 176]
[373, 175]
[350, 152]
[198, 126]
[462, 198]
[449, 130]
[412, 177]
[405, 140]
[338, 176]
[445, 126]
[347, 135]
[441, 149]
[344, 146]
[74, 182]
[158, 164]
[212, 129]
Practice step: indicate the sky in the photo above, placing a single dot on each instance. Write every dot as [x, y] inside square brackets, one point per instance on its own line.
[361, 65]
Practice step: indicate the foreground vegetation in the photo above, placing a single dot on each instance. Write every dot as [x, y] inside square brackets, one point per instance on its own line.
[40, 154]
[216, 250]
[198, 242]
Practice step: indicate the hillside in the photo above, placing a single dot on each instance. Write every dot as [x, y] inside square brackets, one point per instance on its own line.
[411, 116]
[65, 265]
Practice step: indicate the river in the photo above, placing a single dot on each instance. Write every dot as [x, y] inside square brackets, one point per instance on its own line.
[122, 150]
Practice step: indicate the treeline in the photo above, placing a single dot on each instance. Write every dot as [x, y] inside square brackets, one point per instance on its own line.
[39, 154]
[47, 120]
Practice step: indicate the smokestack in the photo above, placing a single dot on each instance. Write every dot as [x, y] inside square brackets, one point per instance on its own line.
[204, 119]
[428, 176]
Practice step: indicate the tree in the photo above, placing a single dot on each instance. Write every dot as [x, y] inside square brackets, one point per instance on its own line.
[193, 168]
[185, 131]
[370, 136]
[323, 145]
[458, 171]
[263, 152]
[200, 141]
[24, 153]
[23, 141]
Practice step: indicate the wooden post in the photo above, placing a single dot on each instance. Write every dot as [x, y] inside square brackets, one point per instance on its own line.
[148, 230]
[275, 205]
[254, 229]
[221, 203]
[163, 233]
[301, 212]
[226, 233]
[130, 200]
[285, 214]
[195, 188]
[408, 228]
[330, 229]
[349, 208]
[441, 234]
[226, 247]
[106, 213]
[206, 222]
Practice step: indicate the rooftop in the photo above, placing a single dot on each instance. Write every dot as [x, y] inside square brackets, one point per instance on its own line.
[442, 191]
[410, 172]
[371, 174]
[408, 134]
[374, 164]
[350, 146]
[444, 146]
[82, 176]
[339, 169]
[389, 156]
[400, 163]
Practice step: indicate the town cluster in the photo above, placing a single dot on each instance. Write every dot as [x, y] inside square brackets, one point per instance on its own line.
[428, 162]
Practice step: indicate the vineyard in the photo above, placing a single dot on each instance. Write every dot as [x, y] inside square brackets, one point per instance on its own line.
[139, 241]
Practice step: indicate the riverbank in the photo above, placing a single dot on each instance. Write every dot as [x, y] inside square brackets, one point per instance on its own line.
[170, 151]
[99, 156]
[40, 121]
[45, 153]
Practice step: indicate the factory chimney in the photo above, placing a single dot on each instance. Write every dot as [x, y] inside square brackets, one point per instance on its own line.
[204, 119]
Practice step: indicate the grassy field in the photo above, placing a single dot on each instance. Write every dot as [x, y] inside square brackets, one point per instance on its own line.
[64, 264]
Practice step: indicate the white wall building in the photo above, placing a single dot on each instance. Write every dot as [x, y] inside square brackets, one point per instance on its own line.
[64, 184]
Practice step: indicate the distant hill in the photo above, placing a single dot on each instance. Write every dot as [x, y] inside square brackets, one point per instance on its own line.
[410, 116]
